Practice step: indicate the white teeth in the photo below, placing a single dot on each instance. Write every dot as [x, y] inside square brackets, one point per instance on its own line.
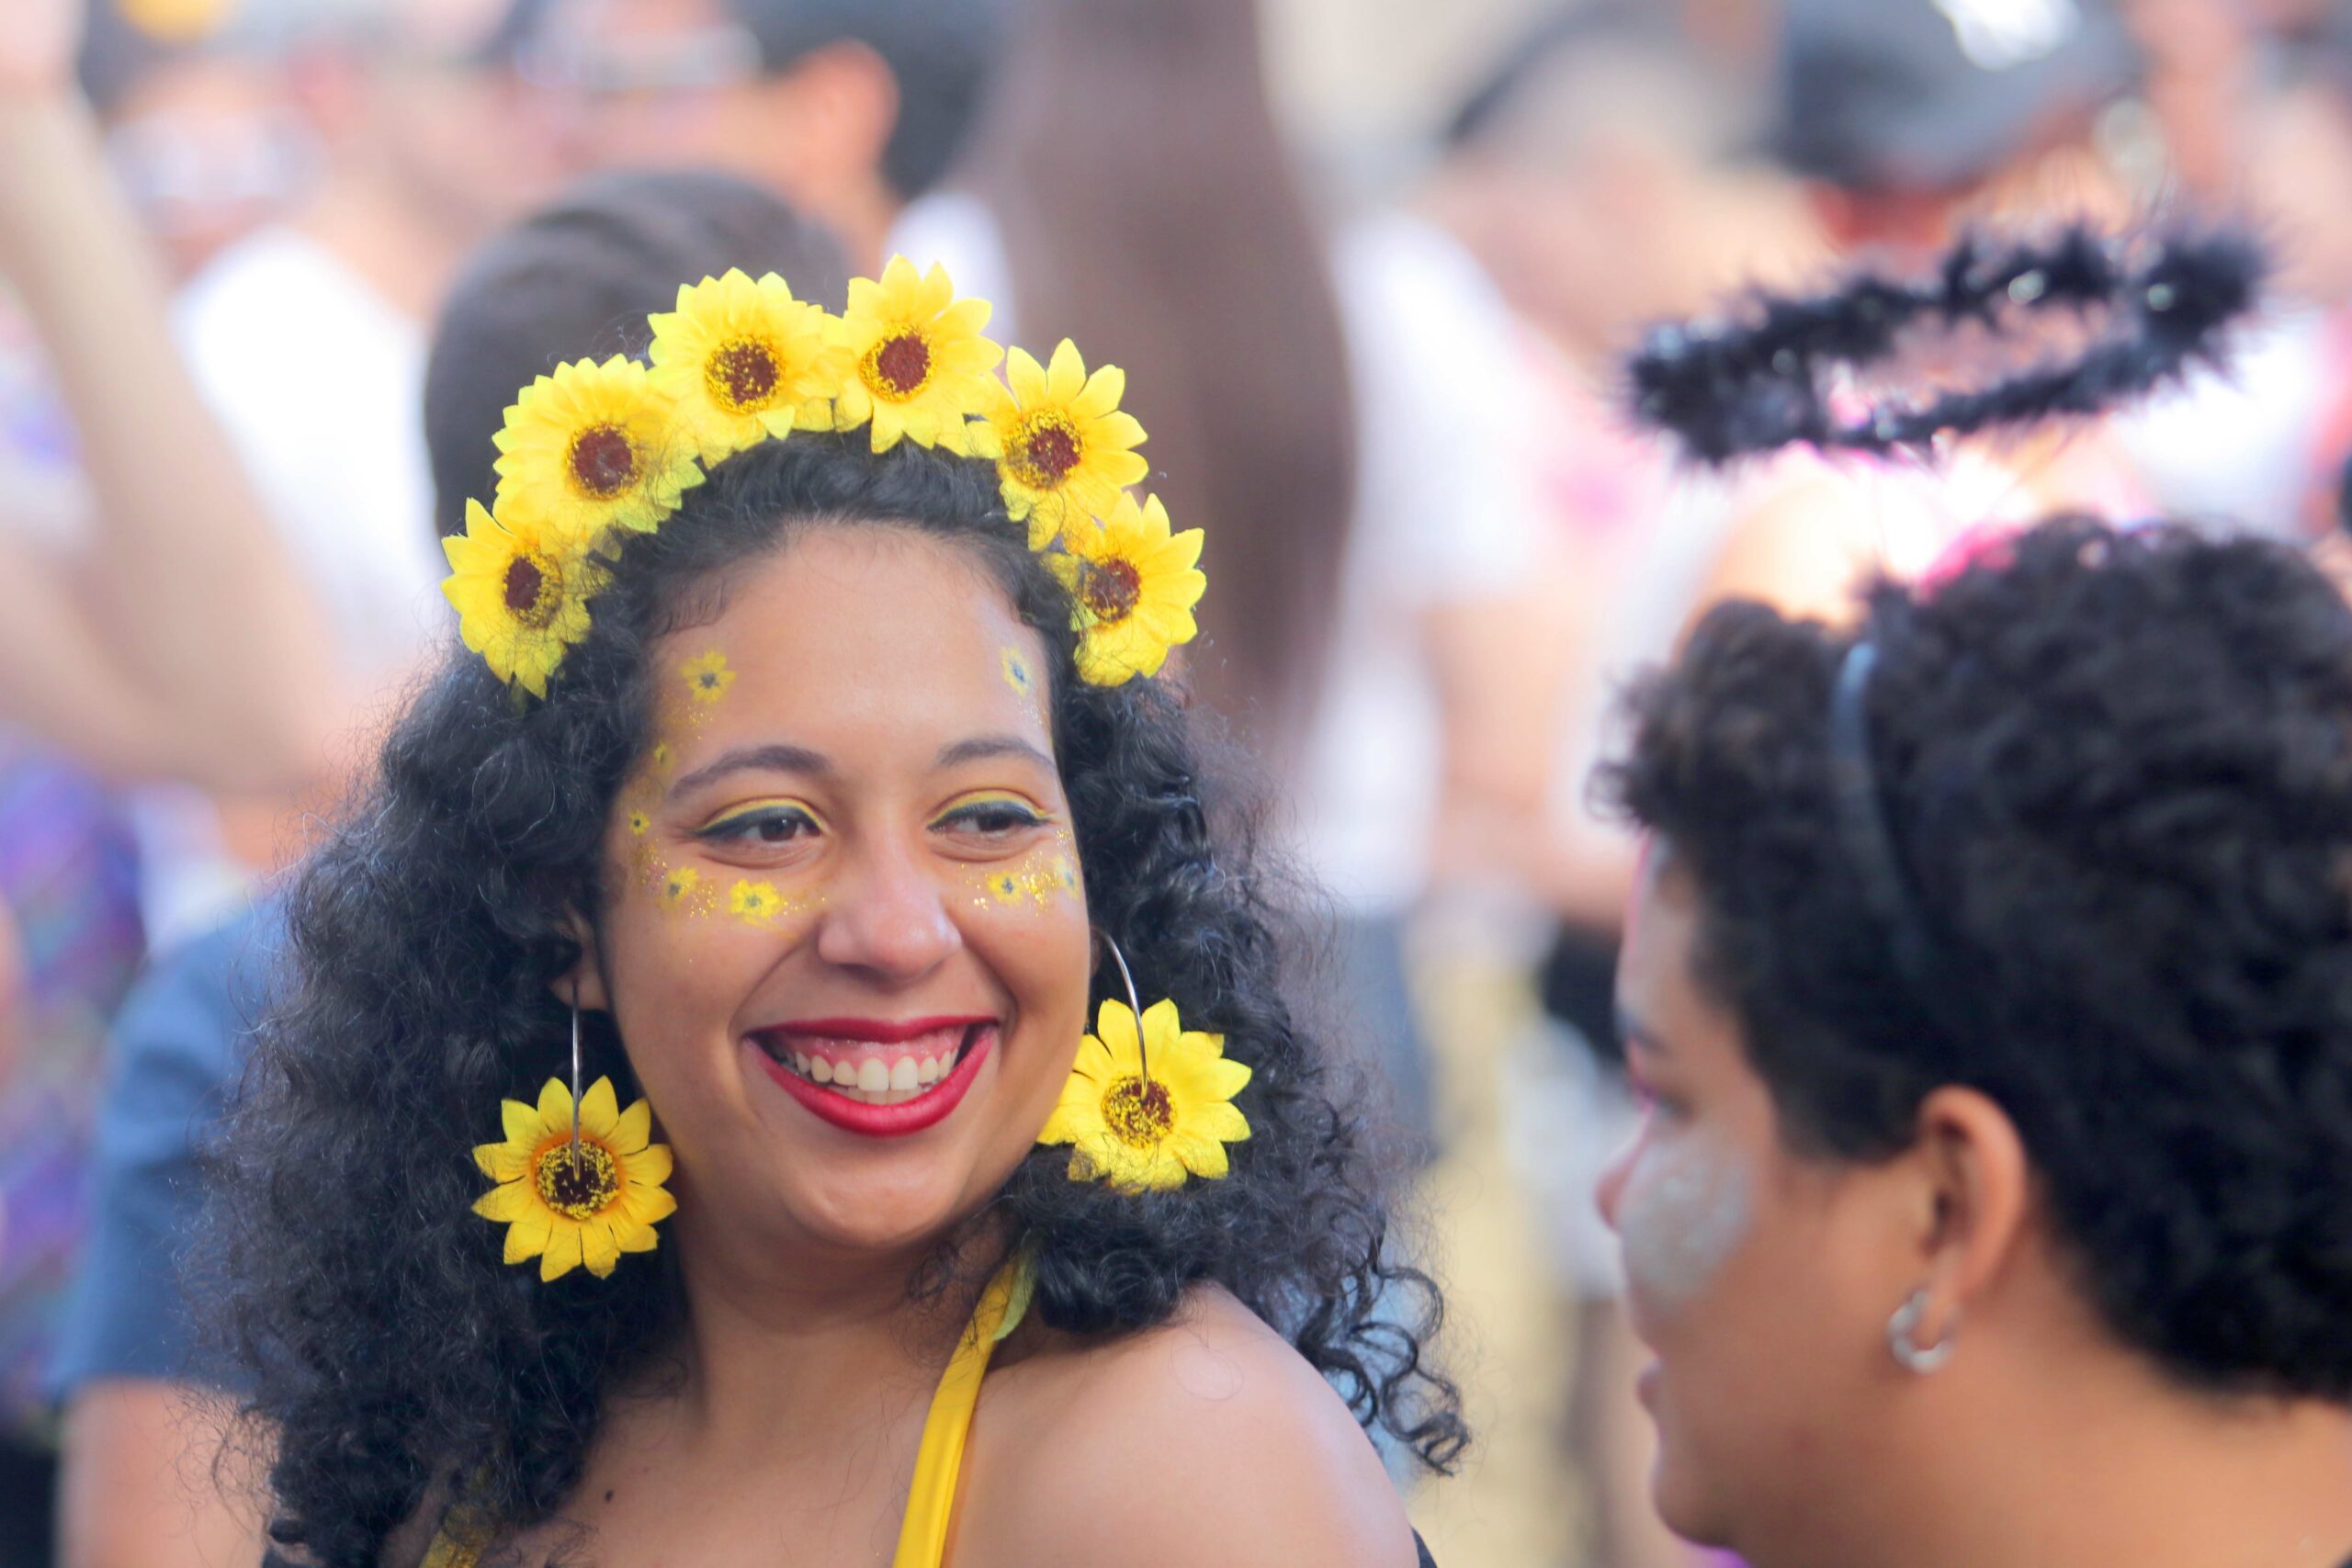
[821, 1069]
[873, 1077]
[800, 1063]
[903, 1074]
[927, 1071]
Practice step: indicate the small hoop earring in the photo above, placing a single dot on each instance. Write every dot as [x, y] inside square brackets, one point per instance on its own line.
[1902, 1331]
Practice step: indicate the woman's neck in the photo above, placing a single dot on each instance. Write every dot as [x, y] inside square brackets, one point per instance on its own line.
[2092, 1470]
[784, 1351]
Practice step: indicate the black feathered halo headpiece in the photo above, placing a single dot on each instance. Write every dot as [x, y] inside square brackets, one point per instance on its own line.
[1763, 379]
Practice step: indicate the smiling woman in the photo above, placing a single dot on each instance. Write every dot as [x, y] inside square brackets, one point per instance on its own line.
[760, 825]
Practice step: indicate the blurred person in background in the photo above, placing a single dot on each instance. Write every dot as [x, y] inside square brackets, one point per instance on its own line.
[137, 1374]
[848, 109]
[1606, 175]
[202, 123]
[150, 626]
[1988, 985]
[427, 143]
[1366, 489]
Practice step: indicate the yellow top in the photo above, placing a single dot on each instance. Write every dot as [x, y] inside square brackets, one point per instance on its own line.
[922, 1535]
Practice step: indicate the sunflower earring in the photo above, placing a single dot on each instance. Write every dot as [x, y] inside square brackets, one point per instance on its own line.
[1149, 1103]
[578, 1180]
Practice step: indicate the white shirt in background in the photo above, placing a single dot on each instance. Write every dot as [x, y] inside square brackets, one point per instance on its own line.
[1445, 515]
[319, 382]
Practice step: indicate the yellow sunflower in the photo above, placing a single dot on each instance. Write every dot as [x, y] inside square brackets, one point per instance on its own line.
[920, 366]
[521, 590]
[745, 360]
[1062, 443]
[595, 446]
[1136, 586]
[1150, 1131]
[567, 1206]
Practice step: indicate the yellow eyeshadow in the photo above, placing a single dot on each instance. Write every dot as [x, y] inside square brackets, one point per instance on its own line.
[753, 808]
[992, 798]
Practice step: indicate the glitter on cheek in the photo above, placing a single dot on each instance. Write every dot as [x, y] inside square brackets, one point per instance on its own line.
[1688, 1206]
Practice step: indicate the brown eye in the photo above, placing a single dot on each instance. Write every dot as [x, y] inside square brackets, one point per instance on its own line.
[769, 825]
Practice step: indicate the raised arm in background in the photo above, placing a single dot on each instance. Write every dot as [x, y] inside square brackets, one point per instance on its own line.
[181, 641]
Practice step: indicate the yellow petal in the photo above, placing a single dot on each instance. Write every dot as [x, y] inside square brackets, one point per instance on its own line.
[648, 1205]
[1203, 1157]
[508, 1201]
[555, 1108]
[521, 1122]
[1025, 375]
[528, 1237]
[562, 1254]
[1066, 375]
[599, 1109]
[1104, 391]
[649, 1166]
[599, 1249]
[634, 1129]
[630, 1235]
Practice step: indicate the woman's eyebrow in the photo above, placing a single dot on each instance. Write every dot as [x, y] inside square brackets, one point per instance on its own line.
[980, 748]
[776, 757]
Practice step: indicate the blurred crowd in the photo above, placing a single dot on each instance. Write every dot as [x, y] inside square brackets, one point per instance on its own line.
[239, 237]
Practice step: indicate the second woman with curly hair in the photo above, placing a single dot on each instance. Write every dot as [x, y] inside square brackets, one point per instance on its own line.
[811, 783]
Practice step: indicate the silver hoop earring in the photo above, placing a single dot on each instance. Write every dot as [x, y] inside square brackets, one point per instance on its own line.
[1135, 1001]
[575, 1075]
[1901, 1336]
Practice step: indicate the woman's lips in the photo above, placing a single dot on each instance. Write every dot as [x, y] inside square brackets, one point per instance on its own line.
[880, 1088]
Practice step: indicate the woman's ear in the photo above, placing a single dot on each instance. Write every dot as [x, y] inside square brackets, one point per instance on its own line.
[583, 984]
[1974, 1191]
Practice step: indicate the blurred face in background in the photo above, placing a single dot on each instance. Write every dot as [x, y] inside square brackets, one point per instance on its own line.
[1758, 1278]
[209, 147]
[436, 113]
[654, 84]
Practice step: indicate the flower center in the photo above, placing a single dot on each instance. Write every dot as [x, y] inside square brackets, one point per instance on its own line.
[603, 462]
[1045, 452]
[1137, 1112]
[742, 375]
[534, 590]
[899, 366]
[1111, 589]
[579, 1182]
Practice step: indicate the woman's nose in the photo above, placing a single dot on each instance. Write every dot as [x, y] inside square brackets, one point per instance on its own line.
[886, 917]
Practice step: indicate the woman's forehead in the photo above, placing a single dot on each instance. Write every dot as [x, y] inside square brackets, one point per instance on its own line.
[855, 630]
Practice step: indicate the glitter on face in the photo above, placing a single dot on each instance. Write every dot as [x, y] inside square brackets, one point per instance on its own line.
[603, 463]
[1687, 1207]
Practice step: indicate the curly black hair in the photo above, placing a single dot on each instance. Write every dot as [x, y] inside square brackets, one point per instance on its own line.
[2114, 771]
[395, 1354]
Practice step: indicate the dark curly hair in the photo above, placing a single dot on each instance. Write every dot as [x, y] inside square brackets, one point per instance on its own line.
[394, 1353]
[2114, 771]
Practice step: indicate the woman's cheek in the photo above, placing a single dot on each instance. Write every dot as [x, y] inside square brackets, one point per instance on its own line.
[1688, 1204]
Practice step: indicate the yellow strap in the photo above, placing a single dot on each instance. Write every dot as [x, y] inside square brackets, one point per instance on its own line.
[922, 1535]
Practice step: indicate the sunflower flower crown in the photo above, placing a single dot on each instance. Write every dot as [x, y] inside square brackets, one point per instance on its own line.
[595, 452]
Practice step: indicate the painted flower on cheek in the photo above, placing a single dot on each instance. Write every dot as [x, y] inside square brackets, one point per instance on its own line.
[754, 903]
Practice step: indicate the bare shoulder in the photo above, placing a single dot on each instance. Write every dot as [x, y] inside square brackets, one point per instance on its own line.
[1209, 1439]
